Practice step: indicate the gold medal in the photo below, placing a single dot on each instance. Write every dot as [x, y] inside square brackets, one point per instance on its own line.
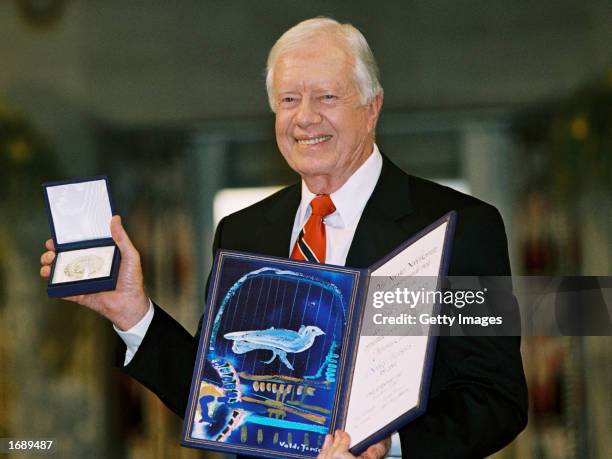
[83, 267]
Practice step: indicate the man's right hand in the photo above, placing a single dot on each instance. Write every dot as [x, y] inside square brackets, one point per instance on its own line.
[127, 304]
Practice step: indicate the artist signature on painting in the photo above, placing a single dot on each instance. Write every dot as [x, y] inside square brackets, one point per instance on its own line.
[299, 447]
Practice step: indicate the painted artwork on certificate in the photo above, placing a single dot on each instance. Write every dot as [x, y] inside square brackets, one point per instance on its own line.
[268, 377]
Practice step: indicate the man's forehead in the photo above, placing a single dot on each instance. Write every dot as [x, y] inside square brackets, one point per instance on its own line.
[297, 81]
[322, 65]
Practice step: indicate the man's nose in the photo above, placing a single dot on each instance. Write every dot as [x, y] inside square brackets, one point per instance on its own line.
[307, 113]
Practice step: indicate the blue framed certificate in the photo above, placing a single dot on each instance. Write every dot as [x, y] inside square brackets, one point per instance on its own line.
[284, 357]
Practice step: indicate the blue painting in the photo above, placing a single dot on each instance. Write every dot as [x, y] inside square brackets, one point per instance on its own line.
[275, 336]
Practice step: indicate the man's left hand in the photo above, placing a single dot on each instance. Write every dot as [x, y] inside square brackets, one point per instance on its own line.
[337, 447]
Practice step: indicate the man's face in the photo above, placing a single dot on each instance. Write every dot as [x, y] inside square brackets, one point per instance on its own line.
[322, 129]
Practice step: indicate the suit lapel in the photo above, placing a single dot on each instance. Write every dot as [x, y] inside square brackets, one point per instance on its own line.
[275, 235]
[385, 222]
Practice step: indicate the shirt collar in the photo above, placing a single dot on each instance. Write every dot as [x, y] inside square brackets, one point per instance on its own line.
[351, 198]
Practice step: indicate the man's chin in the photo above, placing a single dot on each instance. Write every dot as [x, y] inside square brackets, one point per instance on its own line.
[313, 166]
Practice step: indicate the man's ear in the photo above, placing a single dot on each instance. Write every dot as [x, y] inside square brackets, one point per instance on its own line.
[374, 111]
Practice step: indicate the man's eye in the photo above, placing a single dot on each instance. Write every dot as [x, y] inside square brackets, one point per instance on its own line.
[288, 100]
[329, 97]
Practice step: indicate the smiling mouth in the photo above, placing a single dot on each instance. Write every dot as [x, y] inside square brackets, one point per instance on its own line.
[314, 140]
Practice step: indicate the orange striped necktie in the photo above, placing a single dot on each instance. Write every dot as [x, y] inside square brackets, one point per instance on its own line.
[310, 244]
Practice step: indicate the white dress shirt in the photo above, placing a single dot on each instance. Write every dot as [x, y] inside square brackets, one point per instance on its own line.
[340, 226]
[350, 201]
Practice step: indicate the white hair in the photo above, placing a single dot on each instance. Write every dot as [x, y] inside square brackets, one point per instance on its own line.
[365, 69]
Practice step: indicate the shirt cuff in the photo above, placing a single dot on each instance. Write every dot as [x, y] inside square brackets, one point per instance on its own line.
[134, 336]
[396, 447]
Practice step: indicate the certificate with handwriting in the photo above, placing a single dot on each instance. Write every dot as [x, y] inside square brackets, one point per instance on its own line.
[285, 355]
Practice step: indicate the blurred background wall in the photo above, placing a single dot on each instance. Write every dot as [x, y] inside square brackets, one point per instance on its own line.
[510, 101]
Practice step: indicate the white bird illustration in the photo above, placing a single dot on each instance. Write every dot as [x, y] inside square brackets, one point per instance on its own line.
[279, 341]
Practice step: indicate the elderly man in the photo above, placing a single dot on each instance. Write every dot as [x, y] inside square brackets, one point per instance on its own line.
[323, 86]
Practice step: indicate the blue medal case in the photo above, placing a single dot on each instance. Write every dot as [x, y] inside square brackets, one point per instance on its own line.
[87, 259]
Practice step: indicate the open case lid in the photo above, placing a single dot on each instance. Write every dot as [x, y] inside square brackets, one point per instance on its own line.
[79, 211]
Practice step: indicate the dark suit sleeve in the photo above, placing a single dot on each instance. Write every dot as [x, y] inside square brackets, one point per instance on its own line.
[166, 357]
[478, 401]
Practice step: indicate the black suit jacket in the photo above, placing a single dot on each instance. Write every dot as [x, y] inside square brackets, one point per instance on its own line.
[478, 395]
